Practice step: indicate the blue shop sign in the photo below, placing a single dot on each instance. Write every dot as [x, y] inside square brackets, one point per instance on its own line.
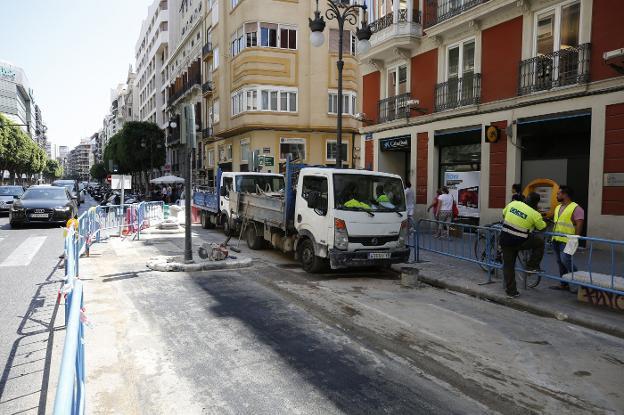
[402, 142]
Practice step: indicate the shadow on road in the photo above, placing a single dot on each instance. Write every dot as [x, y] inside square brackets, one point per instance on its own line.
[24, 380]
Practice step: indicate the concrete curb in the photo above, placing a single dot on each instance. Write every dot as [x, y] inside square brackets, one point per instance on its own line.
[426, 277]
[169, 264]
[154, 231]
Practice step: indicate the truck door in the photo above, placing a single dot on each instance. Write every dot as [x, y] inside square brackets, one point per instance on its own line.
[227, 183]
[311, 208]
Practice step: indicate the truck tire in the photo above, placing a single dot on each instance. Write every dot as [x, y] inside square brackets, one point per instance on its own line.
[254, 241]
[205, 221]
[309, 261]
[227, 226]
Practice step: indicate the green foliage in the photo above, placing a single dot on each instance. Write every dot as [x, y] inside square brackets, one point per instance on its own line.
[136, 148]
[98, 172]
[19, 154]
[53, 170]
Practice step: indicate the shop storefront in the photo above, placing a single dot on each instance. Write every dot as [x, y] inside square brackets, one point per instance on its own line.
[459, 168]
[395, 154]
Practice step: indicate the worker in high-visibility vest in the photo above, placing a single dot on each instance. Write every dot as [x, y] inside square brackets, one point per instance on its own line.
[520, 220]
[569, 219]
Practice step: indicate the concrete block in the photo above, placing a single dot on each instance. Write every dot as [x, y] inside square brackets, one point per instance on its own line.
[601, 298]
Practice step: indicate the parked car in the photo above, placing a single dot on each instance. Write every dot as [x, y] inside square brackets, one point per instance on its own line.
[43, 204]
[8, 194]
[73, 188]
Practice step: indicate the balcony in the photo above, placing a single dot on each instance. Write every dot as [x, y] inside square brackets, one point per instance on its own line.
[192, 81]
[207, 88]
[438, 11]
[208, 132]
[207, 50]
[458, 92]
[564, 67]
[394, 108]
[394, 30]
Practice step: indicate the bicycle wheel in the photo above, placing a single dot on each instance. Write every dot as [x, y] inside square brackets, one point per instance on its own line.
[480, 250]
[532, 280]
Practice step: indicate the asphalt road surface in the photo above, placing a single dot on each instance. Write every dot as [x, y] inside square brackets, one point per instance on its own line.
[29, 281]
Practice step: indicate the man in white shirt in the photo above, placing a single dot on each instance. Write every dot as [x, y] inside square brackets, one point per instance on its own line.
[445, 215]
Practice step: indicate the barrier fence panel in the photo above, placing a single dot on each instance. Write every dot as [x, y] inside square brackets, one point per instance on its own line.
[92, 226]
[598, 264]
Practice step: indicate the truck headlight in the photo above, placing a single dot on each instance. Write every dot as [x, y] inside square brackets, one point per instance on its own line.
[341, 236]
[403, 233]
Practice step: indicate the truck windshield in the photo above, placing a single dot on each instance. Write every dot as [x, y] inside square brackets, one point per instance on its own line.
[253, 183]
[368, 192]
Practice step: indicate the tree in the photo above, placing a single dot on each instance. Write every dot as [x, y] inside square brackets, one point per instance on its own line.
[53, 170]
[98, 171]
[18, 152]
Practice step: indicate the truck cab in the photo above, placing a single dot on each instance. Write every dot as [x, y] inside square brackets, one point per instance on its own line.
[349, 217]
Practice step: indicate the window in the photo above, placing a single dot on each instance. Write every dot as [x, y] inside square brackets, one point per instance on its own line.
[296, 147]
[330, 150]
[215, 111]
[460, 66]
[348, 41]
[251, 34]
[397, 81]
[238, 102]
[238, 42]
[228, 151]
[317, 188]
[252, 100]
[268, 35]
[349, 101]
[215, 58]
[557, 28]
[288, 37]
[210, 158]
[271, 99]
[244, 145]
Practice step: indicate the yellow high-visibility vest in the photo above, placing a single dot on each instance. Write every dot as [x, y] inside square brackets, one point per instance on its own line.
[563, 222]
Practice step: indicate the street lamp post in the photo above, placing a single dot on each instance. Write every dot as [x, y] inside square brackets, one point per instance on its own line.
[342, 11]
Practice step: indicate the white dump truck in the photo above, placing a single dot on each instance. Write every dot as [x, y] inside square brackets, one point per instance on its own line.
[326, 216]
[214, 202]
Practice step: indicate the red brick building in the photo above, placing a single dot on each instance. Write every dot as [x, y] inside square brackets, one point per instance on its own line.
[441, 72]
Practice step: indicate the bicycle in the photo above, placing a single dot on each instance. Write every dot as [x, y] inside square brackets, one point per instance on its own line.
[482, 244]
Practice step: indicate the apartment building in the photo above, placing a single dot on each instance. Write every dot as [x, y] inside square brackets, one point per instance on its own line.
[151, 52]
[496, 92]
[182, 71]
[80, 160]
[265, 89]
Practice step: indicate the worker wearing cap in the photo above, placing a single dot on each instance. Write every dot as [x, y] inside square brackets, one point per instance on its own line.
[520, 219]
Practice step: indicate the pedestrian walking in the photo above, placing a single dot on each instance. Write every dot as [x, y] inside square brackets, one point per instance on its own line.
[569, 220]
[520, 220]
[445, 213]
[435, 204]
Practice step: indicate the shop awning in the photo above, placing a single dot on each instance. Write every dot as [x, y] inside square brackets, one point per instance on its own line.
[554, 117]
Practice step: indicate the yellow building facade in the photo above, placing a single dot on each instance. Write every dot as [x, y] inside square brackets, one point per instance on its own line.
[267, 90]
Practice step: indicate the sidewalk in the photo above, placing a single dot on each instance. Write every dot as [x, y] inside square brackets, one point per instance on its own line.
[465, 277]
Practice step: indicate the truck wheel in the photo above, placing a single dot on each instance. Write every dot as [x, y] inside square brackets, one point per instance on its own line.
[205, 220]
[227, 227]
[254, 241]
[309, 261]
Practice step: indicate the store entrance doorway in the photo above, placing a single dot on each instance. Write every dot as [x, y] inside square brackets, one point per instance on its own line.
[557, 147]
[395, 155]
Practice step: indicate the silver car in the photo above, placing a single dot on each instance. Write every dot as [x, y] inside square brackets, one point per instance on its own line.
[8, 194]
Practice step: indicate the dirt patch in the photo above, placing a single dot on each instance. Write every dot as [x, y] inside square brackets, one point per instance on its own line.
[350, 311]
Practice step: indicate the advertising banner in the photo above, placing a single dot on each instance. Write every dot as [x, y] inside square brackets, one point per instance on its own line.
[464, 187]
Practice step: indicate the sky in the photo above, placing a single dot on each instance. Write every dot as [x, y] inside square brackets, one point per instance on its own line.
[73, 52]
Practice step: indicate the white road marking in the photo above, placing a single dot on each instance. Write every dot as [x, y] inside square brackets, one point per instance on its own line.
[474, 320]
[24, 253]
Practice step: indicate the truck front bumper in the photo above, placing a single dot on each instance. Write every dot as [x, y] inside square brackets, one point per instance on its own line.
[345, 259]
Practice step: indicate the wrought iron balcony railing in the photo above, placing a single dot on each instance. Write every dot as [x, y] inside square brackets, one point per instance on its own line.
[458, 92]
[387, 20]
[568, 66]
[207, 132]
[440, 10]
[207, 87]
[207, 49]
[193, 80]
[394, 108]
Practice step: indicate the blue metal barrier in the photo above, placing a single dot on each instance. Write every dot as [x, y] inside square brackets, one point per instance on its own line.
[70, 393]
[479, 245]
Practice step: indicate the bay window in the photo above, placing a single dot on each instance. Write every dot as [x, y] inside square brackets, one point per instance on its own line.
[349, 101]
[264, 98]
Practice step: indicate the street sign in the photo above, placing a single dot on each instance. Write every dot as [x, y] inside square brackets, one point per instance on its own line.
[167, 167]
[116, 181]
[269, 161]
